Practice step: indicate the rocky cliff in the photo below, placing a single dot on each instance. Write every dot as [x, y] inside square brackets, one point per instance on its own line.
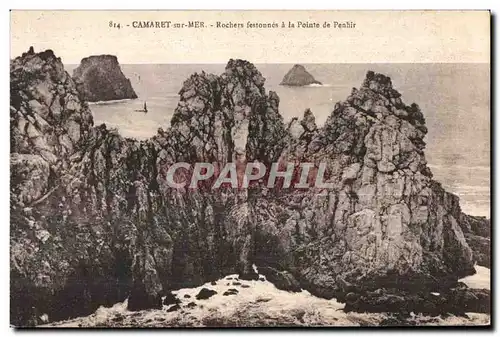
[386, 227]
[298, 76]
[93, 220]
[101, 79]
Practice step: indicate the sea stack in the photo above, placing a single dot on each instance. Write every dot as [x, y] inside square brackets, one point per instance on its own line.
[298, 77]
[102, 79]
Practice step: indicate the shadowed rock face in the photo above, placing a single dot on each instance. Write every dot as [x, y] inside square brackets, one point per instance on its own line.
[477, 234]
[101, 79]
[93, 220]
[298, 76]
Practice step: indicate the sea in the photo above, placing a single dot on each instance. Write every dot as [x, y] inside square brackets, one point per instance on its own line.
[259, 303]
[454, 98]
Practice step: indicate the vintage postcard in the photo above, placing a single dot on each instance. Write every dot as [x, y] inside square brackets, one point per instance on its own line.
[249, 168]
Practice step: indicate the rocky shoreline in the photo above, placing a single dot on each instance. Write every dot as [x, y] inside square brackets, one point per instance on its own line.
[232, 302]
[93, 221]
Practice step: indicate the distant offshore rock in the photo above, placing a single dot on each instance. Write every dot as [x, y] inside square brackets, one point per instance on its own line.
[298, 77]
[101, 79]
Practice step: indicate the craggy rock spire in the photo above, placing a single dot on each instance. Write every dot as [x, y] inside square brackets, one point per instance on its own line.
[101, 79]
[48, 119]
[385, 222]
[114, 196]
[93, 221]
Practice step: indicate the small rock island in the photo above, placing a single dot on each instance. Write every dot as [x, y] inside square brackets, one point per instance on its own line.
[102, 79]
[298, 77]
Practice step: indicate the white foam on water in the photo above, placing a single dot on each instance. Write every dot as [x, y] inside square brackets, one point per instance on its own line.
[257, 303]
[112, 101]
[313, 85]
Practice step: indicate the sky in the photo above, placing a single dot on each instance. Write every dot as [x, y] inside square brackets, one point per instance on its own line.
[376, 37]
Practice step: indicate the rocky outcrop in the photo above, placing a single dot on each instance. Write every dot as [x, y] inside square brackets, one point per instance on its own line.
[385, 222]
[298, 77]
[458, 300]
[107, 217]
[50, 263]
[93, 220]
[477, 232]
[205, 293]
[100, 78]
[170, 299]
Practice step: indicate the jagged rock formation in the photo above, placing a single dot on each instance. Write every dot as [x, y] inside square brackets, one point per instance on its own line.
[53, 267]
[100, 79]
[298, 76]
[386, 224]
[93, 220]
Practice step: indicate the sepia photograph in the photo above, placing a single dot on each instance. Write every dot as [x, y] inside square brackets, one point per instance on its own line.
[243, 169]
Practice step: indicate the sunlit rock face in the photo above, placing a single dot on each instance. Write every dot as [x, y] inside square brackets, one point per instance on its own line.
[94, 220]
[386, 223]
